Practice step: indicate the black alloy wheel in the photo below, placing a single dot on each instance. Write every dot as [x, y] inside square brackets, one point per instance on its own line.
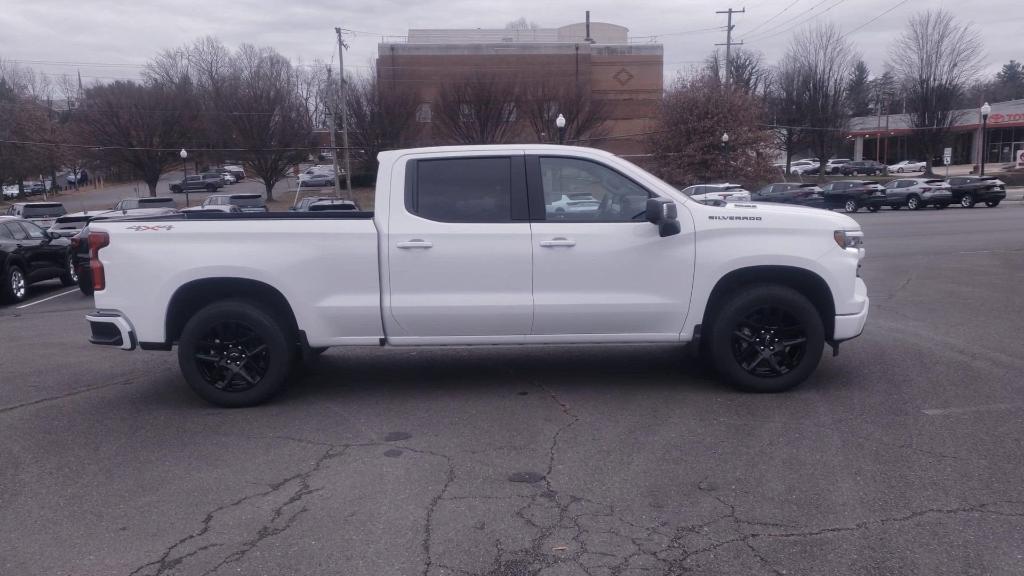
[69, 277]
[766, 338]
[967, 200]
[234, 353]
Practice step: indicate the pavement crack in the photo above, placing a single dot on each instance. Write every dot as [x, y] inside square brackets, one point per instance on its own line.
[70, 394]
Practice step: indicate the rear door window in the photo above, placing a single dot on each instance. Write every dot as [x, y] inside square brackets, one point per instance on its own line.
[461, 189]
[16, 232]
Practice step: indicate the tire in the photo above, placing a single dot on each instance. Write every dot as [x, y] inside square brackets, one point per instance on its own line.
[211, 188]
[69, 277]
[874, 208]
[15, 285]
[234, 354]
[992, 203]
[967, 201]
[899, 170]
[914, 202]
[85, 283]
[850, 206]
[760, 315]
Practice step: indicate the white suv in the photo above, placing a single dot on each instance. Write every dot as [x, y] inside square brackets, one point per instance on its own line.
[723, 192]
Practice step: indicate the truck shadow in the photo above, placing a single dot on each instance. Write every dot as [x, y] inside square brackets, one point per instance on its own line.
[347, 372]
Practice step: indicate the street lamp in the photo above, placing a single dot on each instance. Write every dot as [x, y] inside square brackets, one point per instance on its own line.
[985, 111]
[184, 175]
[560, 123]
[725, 150]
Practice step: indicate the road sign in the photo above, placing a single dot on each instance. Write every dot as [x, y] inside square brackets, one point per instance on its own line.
[947, 156]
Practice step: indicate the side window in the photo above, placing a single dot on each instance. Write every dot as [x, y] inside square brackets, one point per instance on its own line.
[34, 232]
[16, 231]
[905, 184]
[576, 189]
[5, 234]
[462, 190]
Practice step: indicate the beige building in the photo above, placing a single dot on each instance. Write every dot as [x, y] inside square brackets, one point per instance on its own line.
[627, 76]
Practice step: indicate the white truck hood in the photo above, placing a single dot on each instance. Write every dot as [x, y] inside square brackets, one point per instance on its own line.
[786, 215]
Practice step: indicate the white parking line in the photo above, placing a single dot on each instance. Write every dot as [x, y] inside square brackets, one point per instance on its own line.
[943, 411]
[48, 298]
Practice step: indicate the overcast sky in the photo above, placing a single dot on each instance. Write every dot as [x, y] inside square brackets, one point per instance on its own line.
[108, 39]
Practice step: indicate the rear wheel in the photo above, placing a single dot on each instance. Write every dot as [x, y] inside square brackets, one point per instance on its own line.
[85, 281]
[992, 203]
[851, 206]
[767, 338]
[69, 277]
[967, 201]
[15, 286]
[234, 354]
[914, 203]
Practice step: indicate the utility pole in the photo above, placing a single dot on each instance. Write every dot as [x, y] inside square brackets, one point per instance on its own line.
[332, 118]
[344, 113]
[728, 38]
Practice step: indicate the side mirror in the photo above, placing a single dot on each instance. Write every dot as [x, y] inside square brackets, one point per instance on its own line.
[664, 214]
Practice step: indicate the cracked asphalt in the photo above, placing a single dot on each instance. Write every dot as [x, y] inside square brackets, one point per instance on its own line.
[904, 455]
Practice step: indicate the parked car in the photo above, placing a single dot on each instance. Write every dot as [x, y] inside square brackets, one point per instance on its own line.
[863, 167]
[907, 166]
[333, 204]
[317, 180]
[302, 204]
[228, 177]
[969, 190]
[30, 254]
[214, 208]
[722, 192]
[82, 178]
[70, 225]
[34, 188]
[916, 193]
[245, 202]
[573, 202]
[835, 165]
[145, 202]
[456, 256]
[12, 191]
[800, 166]
[79, 243]
[198, 182]
[852, 195]
[801, 194]
[42, 213]
[237, 171]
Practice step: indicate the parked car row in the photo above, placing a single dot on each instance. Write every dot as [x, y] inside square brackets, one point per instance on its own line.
[912, 193]
[848, 167]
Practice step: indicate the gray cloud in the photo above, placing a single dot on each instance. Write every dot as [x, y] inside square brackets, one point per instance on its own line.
[124, 34]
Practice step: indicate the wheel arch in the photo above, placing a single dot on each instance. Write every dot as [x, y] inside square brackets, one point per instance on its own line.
[192, 296]
[804, 281]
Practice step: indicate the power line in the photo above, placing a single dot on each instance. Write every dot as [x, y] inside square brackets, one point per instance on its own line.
[794, 22]
[777, 14]
[895, 6]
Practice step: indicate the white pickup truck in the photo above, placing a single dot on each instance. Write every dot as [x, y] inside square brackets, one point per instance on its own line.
[466, 247]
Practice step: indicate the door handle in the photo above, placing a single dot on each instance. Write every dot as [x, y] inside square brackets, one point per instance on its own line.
[560, 241]
[415, 243]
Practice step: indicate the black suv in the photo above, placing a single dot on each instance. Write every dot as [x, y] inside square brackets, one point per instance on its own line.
[865, 167]
[29, 254]
[852, 195]
[968, 190]
[791, 193]
[205, 182]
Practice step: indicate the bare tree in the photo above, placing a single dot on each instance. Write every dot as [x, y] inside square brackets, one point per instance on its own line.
[379, 119]
[687, 147]
[822, 58]
[140, 126]
[585, 116]
[480, 108]
[747, 69]
[785, 109]
[936, 59]
[268, 119]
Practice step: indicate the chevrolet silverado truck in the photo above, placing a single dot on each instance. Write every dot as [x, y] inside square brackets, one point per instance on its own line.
[466, 247]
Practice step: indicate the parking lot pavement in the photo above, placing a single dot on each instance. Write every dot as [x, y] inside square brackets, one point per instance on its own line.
[901, 456]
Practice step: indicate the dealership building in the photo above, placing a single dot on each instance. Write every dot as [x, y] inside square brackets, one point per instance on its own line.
[887, 137]
[597, 56]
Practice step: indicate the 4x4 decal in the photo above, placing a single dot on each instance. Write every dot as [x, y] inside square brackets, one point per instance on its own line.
[150, 227]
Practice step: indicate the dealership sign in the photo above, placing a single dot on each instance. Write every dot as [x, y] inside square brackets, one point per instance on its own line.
[1003, 118]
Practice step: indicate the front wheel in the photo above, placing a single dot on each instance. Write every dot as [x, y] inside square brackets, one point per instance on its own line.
[851, 206]
[234, 354]
[767, 338]
[992, 203]
[914, 203]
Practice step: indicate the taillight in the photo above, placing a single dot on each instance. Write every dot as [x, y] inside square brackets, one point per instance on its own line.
[926, 189]
[97, 240]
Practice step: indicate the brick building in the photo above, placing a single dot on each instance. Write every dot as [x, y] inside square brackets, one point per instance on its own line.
[596, 56]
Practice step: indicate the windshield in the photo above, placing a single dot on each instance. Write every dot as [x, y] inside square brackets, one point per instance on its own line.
[247, 201]
[43, 211]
